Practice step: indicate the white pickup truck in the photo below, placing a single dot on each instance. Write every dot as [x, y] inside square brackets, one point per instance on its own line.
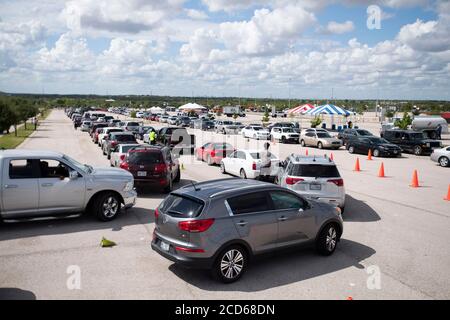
[37, 183]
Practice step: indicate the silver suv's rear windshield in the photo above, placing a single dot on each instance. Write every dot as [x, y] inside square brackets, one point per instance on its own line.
[314, 170]
[181, 207]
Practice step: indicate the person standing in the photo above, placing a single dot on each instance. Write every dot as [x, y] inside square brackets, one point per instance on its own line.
[266, 163]
[152, 137]
[439, 132]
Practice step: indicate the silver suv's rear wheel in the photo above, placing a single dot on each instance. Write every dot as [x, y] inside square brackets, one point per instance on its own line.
[231, 264]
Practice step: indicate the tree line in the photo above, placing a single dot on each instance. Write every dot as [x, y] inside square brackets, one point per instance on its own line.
[14, 111]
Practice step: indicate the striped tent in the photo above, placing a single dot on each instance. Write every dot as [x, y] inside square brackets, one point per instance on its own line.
[329, 109]
[301, 109]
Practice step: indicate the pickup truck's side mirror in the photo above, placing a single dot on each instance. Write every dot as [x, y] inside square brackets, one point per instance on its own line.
[73, 175]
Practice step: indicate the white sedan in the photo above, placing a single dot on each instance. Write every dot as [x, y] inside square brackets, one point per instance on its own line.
[255, 132]
[120, 152]
[248, 164]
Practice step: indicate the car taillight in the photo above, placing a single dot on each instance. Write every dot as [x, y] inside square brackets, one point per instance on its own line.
[254, 166]
[337, 182]
[156, 214]
[291, 181]
[113, 143]
[124, 165]
[195, 225]
[160, 167]
[122, 157]
[213, 154]
[178, 248]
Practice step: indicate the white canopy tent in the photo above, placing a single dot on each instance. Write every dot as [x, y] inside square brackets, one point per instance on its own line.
[191, 107]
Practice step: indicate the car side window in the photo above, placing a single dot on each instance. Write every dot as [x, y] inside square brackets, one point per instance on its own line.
[285, 200]
[249, 203]
[50, 168]
[241, 155]
[21, 169]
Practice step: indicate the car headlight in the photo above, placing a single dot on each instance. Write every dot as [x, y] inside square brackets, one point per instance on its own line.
[338, 211]
[128, 186]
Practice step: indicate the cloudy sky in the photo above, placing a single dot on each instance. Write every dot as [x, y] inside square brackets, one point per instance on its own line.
[302, 48]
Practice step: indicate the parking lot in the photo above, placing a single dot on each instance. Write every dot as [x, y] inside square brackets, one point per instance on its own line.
[389, 226]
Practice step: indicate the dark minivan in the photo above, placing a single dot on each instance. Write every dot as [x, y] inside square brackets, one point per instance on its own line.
[152, 166]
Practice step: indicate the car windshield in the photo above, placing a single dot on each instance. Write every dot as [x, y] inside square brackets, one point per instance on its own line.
[323, 135]
[417, 136]
[378, 140]
[227, 122]
[238, 123]
[180, 206]
[125, 149]
[258, 155]
[257, 128]
[82, 167]
[222, 146]
[288, 130]
[314, 171]
[123, 137]
[133, 124]
[146, 157]
[364, 133]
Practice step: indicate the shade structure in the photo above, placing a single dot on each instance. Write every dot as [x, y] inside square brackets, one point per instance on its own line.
[156, 110]
[191, 106]
[301, 109]
[329, 109]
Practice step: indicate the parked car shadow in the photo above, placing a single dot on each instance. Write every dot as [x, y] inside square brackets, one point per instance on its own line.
[16, 294]
[19, 229]
[151, 193]
[289, 267]
[358, 211]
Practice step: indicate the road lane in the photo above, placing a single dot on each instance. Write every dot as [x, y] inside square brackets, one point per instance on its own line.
[388, 225]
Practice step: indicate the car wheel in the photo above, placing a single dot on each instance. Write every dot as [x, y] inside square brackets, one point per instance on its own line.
[283, 139]
[108, 156]
[169, 187]
[230, 264]
[107, 206]
[303, 143]
[327, 240]
[351, 149]
[209, 160]
[224, 132]
[417, 150]
[178, 176]
[242, 174]
[320, 145]
[376, 153]
[444, 162]
[222, 168]
[103, 150]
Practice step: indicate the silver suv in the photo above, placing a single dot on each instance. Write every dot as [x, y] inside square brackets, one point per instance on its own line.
[44, 183]
[221, 224]
[314, 178]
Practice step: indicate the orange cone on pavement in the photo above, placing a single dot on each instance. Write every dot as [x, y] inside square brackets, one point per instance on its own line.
[381, 171]
[306, 151]
[369, 155]
[415, 180]
[357, 168]
[448, 194]
[331, 157]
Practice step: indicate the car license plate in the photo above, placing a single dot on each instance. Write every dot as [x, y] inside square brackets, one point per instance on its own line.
[142, 173]
[165, 246]
[315, 187]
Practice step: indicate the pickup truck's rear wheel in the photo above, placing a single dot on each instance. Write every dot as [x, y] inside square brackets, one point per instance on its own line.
[106, 206]
[417, 150]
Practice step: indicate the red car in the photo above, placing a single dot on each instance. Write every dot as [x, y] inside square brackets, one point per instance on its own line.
[214, 152]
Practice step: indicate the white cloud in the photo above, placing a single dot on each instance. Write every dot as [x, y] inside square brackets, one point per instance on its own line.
[69, 54]
[196, 14]
[426, 36]
[267, 31]
[334, 27]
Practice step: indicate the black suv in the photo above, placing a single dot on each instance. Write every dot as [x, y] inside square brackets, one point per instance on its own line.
[411, 141]
[378, 146]
[348, 134]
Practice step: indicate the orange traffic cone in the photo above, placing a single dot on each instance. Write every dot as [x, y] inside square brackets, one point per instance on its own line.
[331, 157]
[448, 194]
[357, 168]
[369, 155]
[415, 180]
[306, 151]
[381, 171]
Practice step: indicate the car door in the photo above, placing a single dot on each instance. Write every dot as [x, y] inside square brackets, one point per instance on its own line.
[240, 162]
[20, 192]
[309, 138]
[255, 220]
[294, 220]
[58, 193]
